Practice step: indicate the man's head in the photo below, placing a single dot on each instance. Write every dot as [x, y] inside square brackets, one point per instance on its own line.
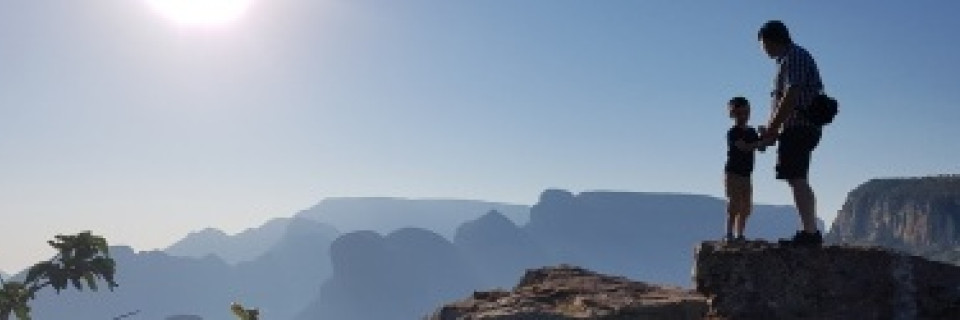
[774, 38]
[739, 109]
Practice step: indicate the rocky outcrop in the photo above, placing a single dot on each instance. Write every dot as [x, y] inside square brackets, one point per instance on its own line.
[759, 280]
[742, 281]
[918, 215]
[566, 292]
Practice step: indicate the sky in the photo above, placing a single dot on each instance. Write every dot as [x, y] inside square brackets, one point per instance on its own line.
[135, 123]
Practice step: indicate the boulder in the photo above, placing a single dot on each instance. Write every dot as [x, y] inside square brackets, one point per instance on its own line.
[761, 280]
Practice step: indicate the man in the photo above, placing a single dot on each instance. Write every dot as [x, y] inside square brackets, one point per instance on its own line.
[796, 84]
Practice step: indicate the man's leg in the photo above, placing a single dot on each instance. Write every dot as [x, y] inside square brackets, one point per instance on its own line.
[806, 203]
[731, 217]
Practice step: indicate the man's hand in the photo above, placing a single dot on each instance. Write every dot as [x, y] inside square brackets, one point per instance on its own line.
[769, 135]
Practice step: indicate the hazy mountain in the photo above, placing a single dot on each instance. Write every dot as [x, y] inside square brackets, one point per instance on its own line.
[647, 236]
[243, 246]
[400, 276]
[153, 282]
[641, 235]
[385, 215]
[280, 282]
[498, 251]
[311, 273]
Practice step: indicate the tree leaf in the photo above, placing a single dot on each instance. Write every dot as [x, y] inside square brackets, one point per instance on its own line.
[37, 271]
[77, 284]
[91, 281]
[22, 312]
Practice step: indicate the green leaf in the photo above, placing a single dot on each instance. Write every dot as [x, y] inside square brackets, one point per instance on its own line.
[38, 270]
[103, 247]
[91, 281]
[77, 284]
[22, 312]
[58, 281]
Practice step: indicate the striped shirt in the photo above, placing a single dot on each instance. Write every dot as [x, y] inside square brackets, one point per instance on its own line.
[797, 69]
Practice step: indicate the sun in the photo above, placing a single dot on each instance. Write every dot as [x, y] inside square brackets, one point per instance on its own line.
[201, 12]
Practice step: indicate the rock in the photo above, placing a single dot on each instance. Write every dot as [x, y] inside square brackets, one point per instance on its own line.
[760, 280]
[567, 292]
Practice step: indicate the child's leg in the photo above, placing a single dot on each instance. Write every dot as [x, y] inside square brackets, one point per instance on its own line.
[729, 185]
[745, 207]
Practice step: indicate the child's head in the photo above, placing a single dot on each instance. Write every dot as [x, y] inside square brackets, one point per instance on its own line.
[739, 109]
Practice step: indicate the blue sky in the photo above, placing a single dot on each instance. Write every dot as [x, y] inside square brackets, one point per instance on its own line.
[118, 120]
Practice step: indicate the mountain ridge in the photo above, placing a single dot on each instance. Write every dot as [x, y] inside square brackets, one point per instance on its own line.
[243, 246]
[387, 214]
[408, 271]
[632, 234]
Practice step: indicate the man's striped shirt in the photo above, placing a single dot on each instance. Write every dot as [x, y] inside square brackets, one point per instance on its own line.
[797, 69]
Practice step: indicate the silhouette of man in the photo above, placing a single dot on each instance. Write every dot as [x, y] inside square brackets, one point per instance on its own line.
[796, 84]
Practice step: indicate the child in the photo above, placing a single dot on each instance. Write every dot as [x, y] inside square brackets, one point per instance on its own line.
[741, 142]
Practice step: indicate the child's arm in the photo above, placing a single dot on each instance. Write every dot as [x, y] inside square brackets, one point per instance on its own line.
[758, 143]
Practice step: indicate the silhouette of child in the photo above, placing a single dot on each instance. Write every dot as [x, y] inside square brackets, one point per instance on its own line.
[742, 140]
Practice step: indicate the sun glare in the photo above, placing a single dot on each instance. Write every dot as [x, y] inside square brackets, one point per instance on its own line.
[201, 12]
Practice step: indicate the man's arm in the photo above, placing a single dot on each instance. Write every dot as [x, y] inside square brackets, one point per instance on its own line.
[785, 107]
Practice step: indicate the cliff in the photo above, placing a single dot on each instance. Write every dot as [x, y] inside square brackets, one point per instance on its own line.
[917, 215]
[754, 280]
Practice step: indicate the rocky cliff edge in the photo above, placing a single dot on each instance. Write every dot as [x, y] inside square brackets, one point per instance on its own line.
[752, 280]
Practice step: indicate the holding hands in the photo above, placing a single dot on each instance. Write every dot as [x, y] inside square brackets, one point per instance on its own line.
[767, 138]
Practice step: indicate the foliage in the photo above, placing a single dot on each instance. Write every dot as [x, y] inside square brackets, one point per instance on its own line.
[81, 259]
[243, 313]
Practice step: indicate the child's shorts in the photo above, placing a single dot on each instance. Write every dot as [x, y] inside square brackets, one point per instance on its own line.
[737, 186]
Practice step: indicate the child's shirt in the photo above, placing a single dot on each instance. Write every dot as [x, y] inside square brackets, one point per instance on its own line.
[739, 161]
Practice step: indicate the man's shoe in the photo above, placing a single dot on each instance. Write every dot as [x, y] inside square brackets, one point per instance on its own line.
[815, 239]
[804, 239]
[791, 241]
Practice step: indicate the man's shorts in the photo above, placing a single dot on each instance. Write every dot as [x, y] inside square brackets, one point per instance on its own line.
[796, 145]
